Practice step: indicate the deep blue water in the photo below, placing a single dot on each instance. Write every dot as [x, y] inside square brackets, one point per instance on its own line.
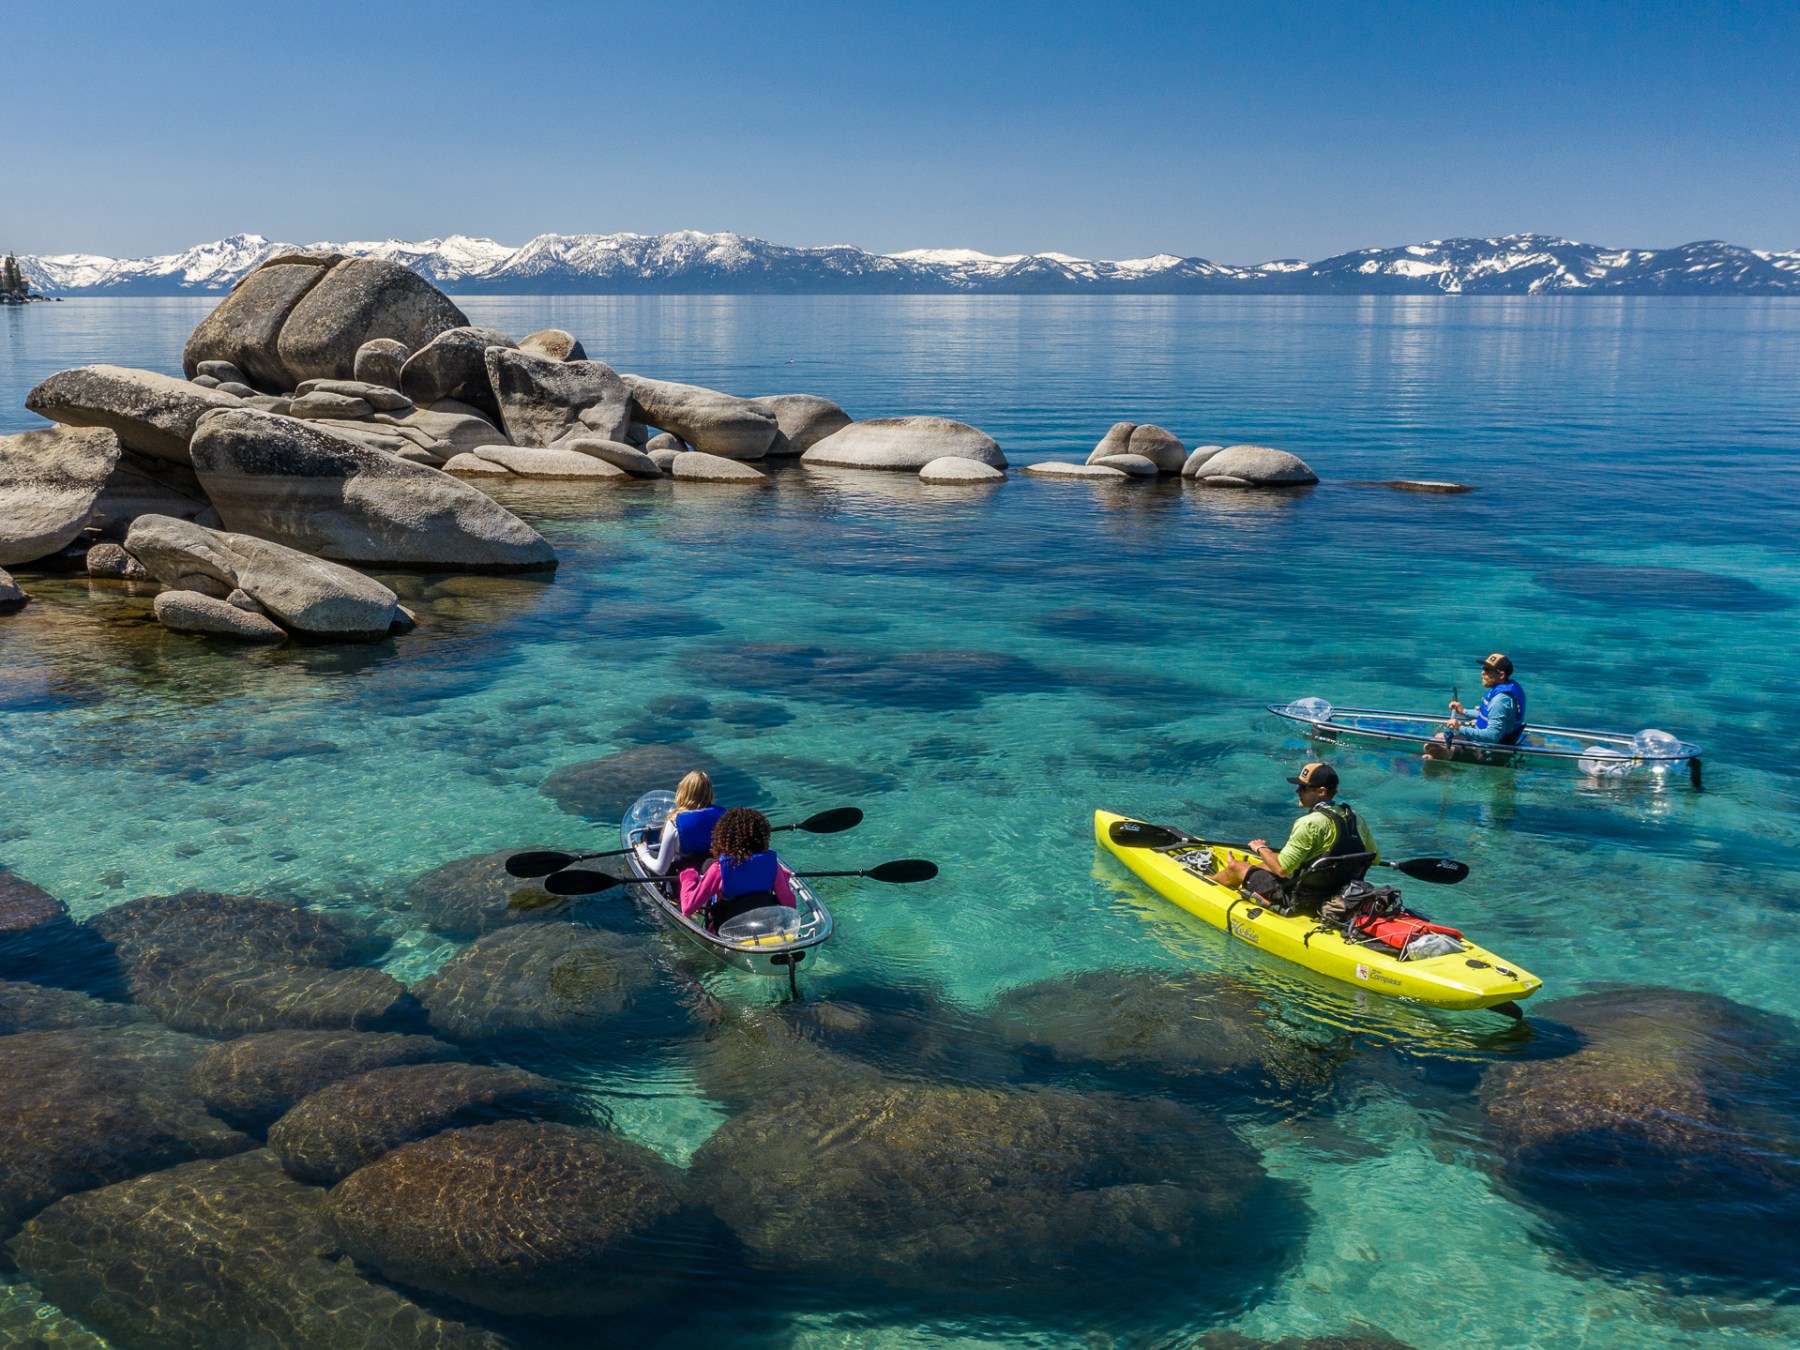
[980, 670]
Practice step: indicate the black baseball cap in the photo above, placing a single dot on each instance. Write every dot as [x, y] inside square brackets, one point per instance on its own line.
[1499, 661]
[1316, 775]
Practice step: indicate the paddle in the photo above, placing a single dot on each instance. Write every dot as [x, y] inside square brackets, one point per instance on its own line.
[544, 862]
[900, 872]
[1138, 834]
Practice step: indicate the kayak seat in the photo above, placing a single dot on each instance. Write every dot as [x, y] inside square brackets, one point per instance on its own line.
[723, 911]
[1324, 877]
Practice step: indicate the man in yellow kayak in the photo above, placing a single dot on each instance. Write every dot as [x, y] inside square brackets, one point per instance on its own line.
[1327, 829]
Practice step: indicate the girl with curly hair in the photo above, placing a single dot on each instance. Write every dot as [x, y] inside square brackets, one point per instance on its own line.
[744, 873]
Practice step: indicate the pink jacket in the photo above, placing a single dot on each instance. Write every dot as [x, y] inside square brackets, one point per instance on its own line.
[697, 891]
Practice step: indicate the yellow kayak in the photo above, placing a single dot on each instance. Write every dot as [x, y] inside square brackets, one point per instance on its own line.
[1475, 978]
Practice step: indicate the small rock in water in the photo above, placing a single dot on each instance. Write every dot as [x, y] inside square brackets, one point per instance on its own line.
[1117, 441]
[192, 612]
[110, 561]
[555, 344]
[220, 372]
[1258, 466]
[1056, 468]
[712, 422]
[1134, 466]
[549, 462]
[1425, 485]
[697, 466]
[953, 471]
[11, 596]
[1196, 461]
[804, 420]
[904, 443]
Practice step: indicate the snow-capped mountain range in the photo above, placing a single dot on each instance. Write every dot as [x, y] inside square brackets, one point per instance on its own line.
[694, 263]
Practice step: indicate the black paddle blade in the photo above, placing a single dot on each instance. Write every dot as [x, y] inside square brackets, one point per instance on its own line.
[540, 864]
[1445, 871]
[1139, 834]
[832, 822]
[580, 883]
[903, 871]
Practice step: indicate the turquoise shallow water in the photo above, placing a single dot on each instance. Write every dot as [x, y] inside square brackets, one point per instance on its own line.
[979, 671]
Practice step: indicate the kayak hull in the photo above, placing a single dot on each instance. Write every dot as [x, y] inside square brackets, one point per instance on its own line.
[1603, 754]
[772, 954]
[1475, 978]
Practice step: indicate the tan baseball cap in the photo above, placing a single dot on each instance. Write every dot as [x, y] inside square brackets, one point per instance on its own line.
[1499, 661]
[1316, 775]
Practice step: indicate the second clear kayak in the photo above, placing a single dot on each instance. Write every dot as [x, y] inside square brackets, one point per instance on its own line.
[1472, 978]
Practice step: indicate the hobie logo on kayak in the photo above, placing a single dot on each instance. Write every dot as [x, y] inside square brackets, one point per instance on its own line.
[1244, 931]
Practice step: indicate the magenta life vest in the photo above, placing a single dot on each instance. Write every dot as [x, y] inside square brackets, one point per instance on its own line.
[694, 829]
[755, 873]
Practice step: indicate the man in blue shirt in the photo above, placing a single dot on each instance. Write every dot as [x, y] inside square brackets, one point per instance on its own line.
[1498, 721]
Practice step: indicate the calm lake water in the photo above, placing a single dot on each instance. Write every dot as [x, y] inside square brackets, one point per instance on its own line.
[980, 670]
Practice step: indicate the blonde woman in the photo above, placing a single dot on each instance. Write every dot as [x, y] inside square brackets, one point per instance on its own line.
[687, 833]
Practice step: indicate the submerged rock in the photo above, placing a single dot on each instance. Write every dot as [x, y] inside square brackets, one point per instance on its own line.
[1649, 1145]
[49, 481]
[12, 597]
[351, 1123]
[697, 466]
[904, 443]
[87, 1106]
[32, 923]
[467, 897]
[288, 481]
[205, 927]
[221, 1255]
[709, 421]
[1052, 468]
[153, 414]
[547, 981]
[33, 1007]
[257, 1078]
[542, 1219]
[604, 789]
[953, 472]
[970, 1189]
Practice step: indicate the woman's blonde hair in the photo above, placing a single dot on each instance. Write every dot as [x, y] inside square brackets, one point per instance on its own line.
[694, 792]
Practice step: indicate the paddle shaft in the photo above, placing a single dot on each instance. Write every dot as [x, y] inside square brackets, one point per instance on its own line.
[1401, 866]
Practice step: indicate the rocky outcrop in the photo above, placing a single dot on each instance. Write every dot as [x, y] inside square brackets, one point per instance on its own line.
[221, 1255]
[49, 481]
[553, 344]
[33, 924]
[141, 486]
[1190, 467]
[34, 1007]
[551, 462]
[904, 443]
[192, 612]
[1257, 465]
[1117, 441]
[1132, 466]
[307, 595]
[468, 464]
[697, 466]
[953, 472]
[542, 981]
[616, 453]
[944, 1187]
[454, 365]
[258, 1078]
[803, 421]
[446, 429]
[1162, 448]
[360, 299]
[290, 482]
[380, 361]
[94, 1105]
[544, 1219]
[244, 329]
[153, 414]
[541, 400]
[349, 1124]
[111, 561]
[664, 457]
[1055, 468]
[718, 424]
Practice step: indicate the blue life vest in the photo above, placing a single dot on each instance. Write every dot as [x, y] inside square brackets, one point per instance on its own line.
[694, 829]
[1516, 692]
[755, 873]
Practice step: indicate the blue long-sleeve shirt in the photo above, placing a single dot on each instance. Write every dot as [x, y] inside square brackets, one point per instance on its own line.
[1504, 718]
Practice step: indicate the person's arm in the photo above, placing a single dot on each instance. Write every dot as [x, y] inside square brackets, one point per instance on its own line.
[668, 848]
[784, 888]
[1312, 835]
[697, 891]
[1502, 718]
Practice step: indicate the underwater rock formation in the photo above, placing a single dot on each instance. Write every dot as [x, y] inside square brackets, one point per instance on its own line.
[34, 926]
[88, 1106]
[940, 1187]
[467, 897]
[221, 1255]
[545, 1219]
[255, 1079]
[549, 981]
[1649, 1146]
[605, 788]
[350, 1123]
[33, 1007]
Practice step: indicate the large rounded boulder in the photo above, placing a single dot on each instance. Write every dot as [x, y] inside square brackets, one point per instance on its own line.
[803, 421]
[259, 1078]
[539, 1219]
[289, 481]
[968, 1189]
[151, 413]
[709, 421]
[1665, 1143]
[903, 443]
[244, 329]
[355, 301]
[541, 400]
[454, 365]
[1256, 466]
[49, 482]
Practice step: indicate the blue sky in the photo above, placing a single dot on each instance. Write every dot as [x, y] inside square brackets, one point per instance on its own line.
[1239, 132]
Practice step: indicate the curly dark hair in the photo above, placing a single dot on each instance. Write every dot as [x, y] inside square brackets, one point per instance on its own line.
[739, 833]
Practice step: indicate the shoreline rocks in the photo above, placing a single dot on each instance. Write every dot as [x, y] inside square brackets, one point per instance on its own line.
[709, 421]
[49, 482]
[1256, 466]
[904, 443]
[153, 414]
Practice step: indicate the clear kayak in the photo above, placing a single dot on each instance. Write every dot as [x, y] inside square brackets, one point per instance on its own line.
[1598, 754]
[771, 941]
[1473, 977]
